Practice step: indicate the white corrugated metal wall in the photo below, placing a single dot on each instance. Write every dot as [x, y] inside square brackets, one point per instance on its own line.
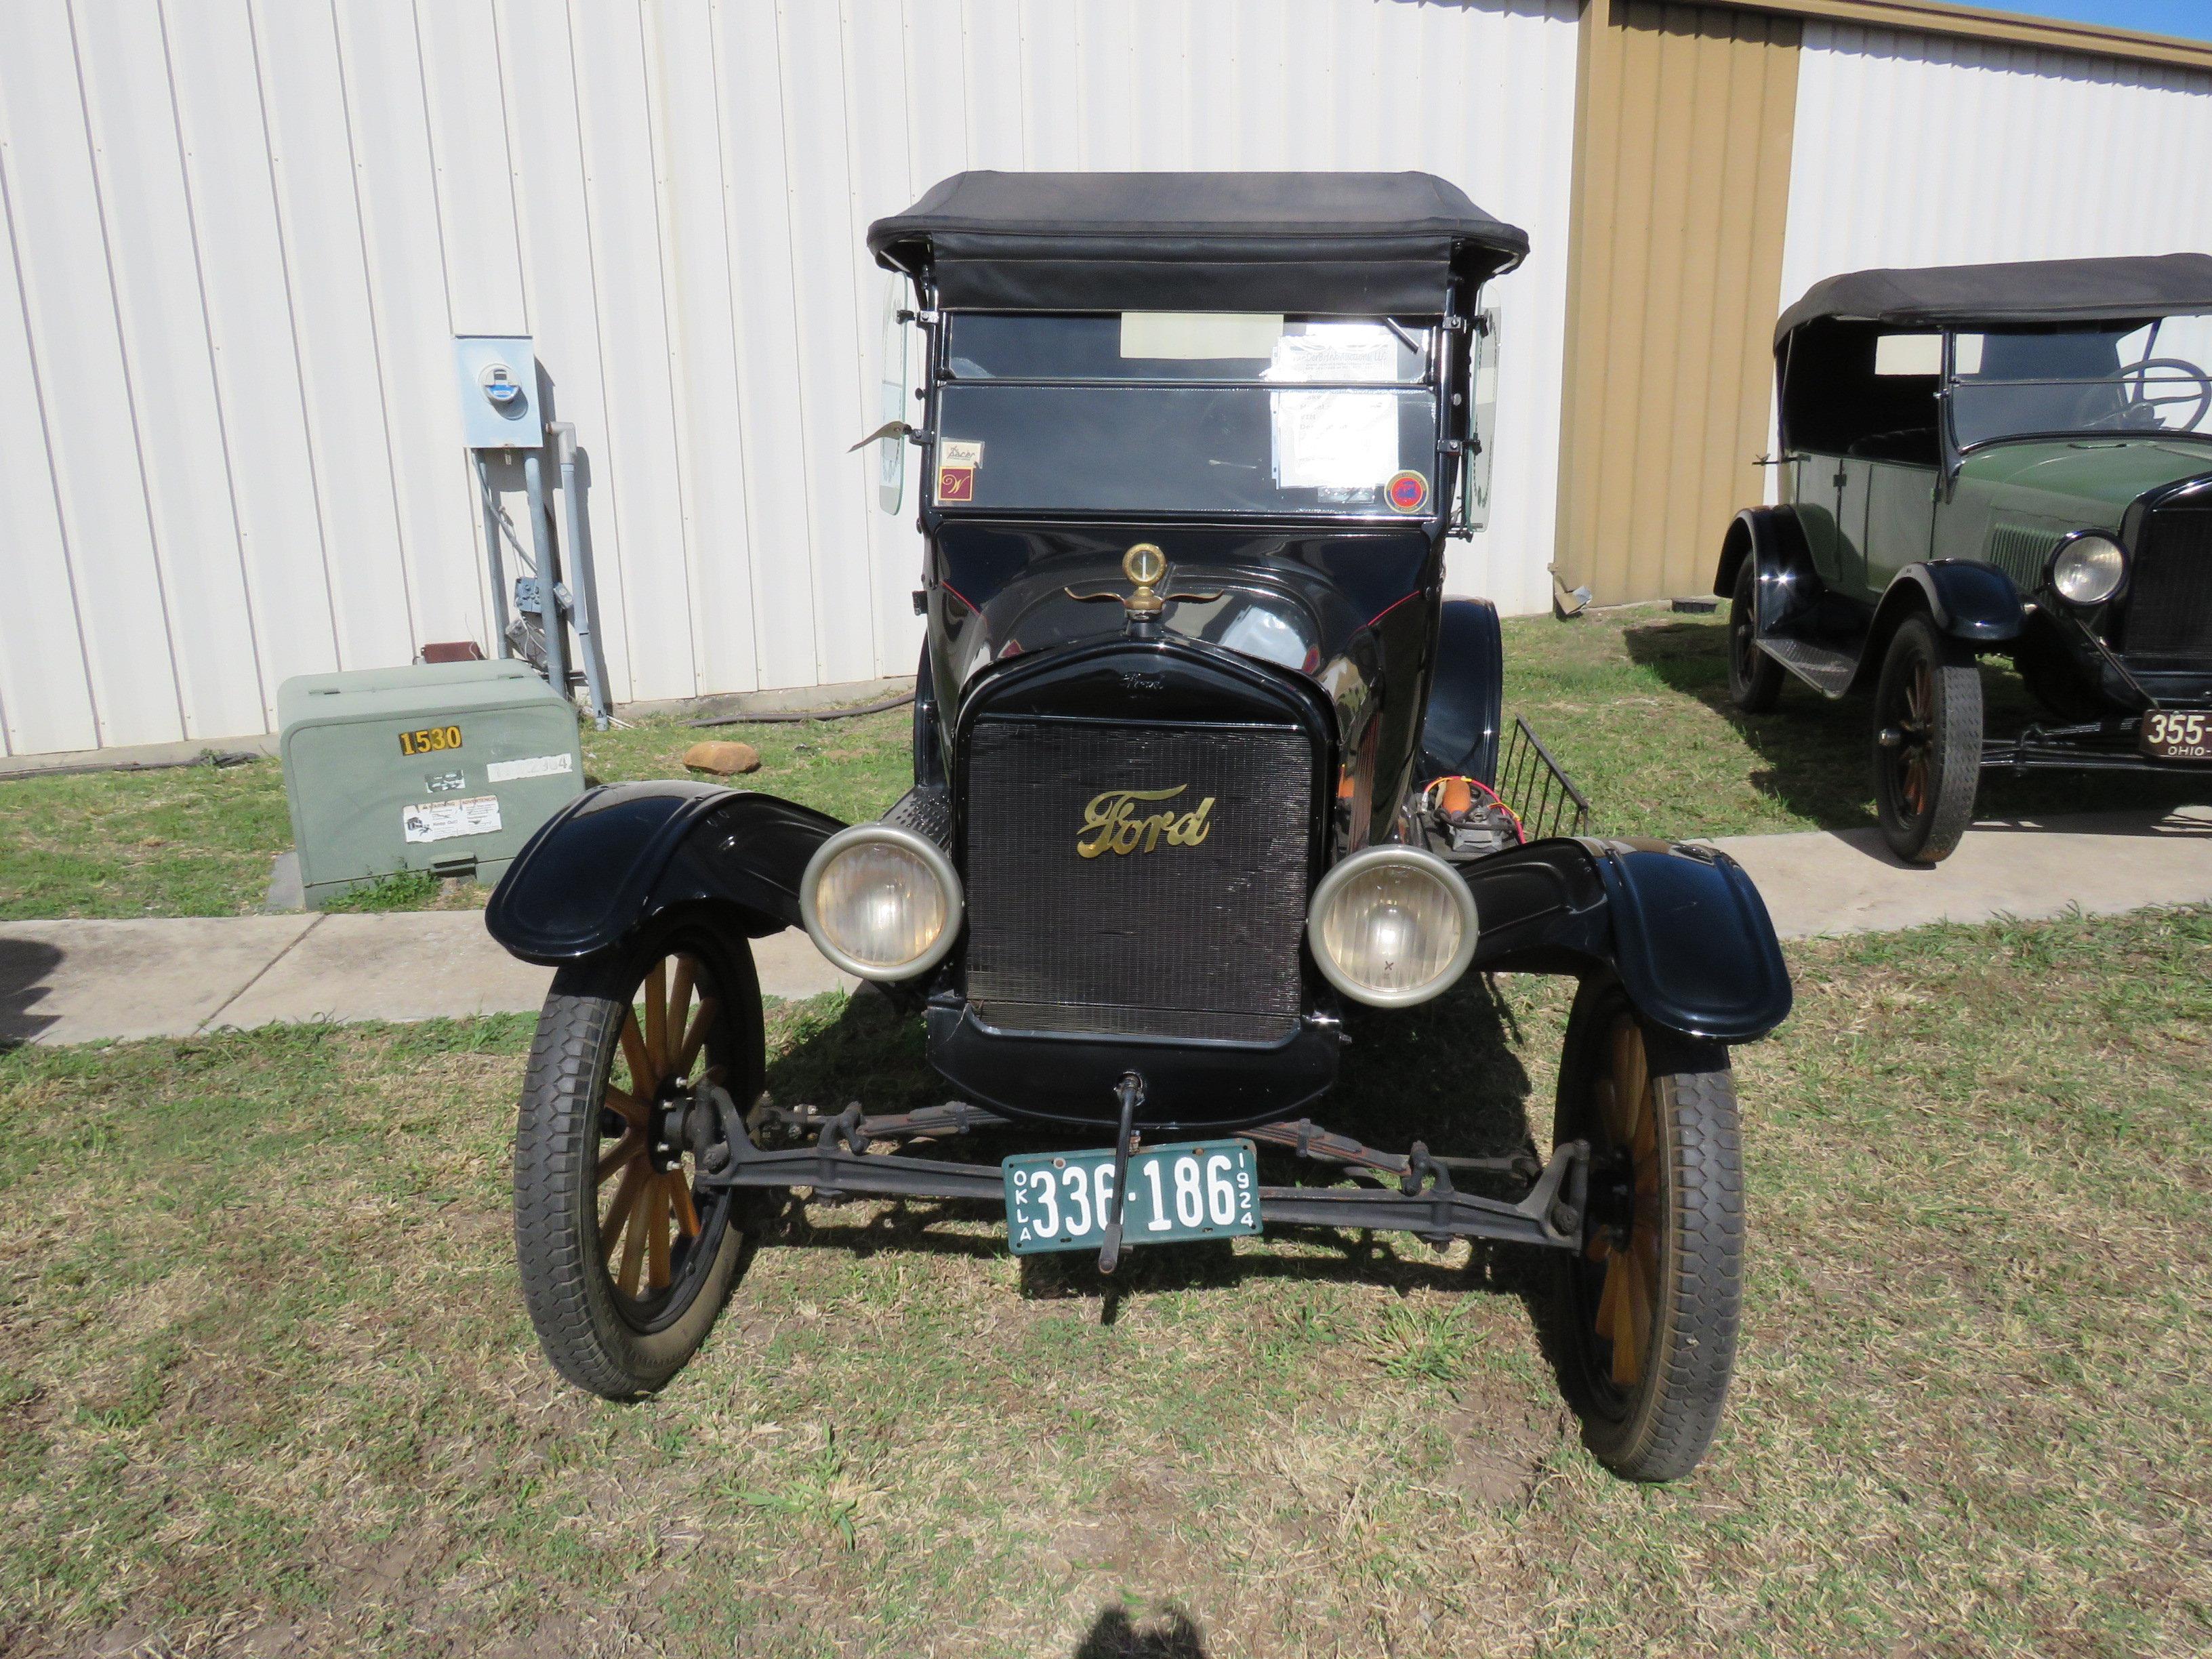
[1915, 150]
[242, 233]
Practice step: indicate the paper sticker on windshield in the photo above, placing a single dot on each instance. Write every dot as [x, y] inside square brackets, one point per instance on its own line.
[961, 452]
[1408, 492]
[956, 484]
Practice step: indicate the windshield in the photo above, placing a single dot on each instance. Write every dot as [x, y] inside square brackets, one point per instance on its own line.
[1187, 411]
[2134, 377]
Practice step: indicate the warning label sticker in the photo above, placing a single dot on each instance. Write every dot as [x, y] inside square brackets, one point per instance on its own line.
[537, 766]
[442, 820]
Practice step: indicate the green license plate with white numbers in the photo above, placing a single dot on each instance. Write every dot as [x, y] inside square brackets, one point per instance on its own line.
[1062, 1201]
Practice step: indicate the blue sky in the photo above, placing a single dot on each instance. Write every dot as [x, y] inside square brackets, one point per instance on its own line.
[2191, 18]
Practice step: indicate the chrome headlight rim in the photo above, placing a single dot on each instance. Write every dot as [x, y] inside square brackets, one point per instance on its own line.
[2073, 542]
[1348, 869]
[932, 856]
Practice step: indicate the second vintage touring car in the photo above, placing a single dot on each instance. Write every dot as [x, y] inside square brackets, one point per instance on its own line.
[2010, 460]
[1202, 754]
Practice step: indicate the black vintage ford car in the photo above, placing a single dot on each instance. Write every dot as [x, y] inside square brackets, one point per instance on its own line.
[2008, 460]
[1201, 753]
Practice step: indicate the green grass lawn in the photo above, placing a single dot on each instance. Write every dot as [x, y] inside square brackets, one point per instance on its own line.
[266, 1385]
[1634, 703]
[199, 842]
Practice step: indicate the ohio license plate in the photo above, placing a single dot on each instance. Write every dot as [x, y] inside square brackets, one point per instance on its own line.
[1062, 1201]
[2171, 734]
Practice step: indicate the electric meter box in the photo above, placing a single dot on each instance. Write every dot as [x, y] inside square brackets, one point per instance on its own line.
[498, 376]
[445, 767]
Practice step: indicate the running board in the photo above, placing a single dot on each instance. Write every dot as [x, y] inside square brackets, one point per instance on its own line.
[1825, 669]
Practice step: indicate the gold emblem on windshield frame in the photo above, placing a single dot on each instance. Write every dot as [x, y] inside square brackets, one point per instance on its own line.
[1112, 823]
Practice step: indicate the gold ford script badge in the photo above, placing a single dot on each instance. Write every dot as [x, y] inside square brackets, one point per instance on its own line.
[1115, 823]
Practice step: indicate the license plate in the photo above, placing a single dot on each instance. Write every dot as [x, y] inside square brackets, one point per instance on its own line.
[2171, 734]
[1061, 1200]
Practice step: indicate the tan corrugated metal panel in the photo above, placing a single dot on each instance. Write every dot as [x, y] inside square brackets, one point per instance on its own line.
[1977, 23]
[1683, 178]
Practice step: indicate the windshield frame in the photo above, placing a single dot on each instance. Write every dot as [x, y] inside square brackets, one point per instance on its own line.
[1955, 452]
[1436, 380]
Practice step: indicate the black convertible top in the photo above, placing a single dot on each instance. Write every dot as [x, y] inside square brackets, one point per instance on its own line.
[1376, 243]
[2030, 291]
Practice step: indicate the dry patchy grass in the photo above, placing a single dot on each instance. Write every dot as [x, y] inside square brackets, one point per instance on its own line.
[268, 1387]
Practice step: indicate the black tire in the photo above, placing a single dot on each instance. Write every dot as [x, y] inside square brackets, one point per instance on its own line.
[1754, 677]
[1665, 1236]
[617, 1316]
[1927, 742]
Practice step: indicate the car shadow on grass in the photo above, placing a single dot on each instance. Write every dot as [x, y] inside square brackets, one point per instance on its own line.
[1815, 750]
[1114, 1635]
[1444, 1074]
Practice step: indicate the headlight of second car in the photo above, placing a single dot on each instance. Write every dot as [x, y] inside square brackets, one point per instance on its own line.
[1392, 926]
[2088, 568]
[881, 902]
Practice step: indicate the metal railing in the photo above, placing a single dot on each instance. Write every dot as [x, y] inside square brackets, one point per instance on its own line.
[1542, 796]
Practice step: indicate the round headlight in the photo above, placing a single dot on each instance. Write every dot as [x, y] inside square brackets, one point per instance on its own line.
[880, 902]
[1392, 926]
[2087, 568]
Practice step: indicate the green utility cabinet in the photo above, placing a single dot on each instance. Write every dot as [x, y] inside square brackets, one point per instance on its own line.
[446, 768]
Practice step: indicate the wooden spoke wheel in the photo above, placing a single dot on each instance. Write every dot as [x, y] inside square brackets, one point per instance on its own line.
[1646, 1315]
[624, 1262]
[649, 1223]
[1927, 742]
[1626, 1247]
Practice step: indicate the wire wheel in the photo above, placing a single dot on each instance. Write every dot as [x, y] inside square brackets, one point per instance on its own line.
[1927, 743]
[624, 1262]
[1644, 1326]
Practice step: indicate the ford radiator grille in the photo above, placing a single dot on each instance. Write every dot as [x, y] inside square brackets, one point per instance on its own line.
[1128, 879]
[2169, 620]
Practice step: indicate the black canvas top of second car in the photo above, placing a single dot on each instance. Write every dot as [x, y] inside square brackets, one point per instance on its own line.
[2022, 291]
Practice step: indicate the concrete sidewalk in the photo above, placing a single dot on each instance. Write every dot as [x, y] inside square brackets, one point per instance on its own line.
[1846, 881]
[84, 982]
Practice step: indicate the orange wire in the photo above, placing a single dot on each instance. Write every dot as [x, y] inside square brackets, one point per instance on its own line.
[1520, 829]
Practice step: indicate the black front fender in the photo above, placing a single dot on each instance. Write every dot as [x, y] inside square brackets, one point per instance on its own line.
[1967, 599]
[1682, 926]
[619, 855]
